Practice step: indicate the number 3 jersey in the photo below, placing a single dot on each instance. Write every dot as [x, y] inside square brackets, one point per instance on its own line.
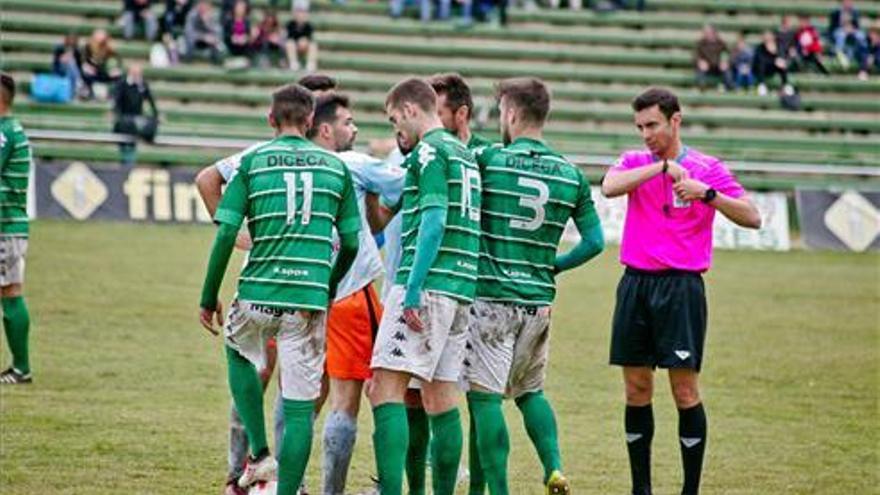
[292, 194]
[441, 171]
[529, 193]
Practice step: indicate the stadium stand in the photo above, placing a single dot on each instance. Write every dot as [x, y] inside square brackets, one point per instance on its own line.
[595, 63]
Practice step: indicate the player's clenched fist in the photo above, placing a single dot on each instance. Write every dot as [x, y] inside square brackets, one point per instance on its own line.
[206, 318]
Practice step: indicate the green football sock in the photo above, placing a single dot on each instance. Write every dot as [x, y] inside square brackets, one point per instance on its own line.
[390, 440]
[247, 394]
[296, 446]
[540, 424]
[17, 324]
[417, 451]
[477, 485]
[446, 445]
[492, 439]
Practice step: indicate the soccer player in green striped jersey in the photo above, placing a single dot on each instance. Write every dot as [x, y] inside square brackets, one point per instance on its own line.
[455, 106]
[529, 193]
[293, 194]
[424, 327]
[15, 165]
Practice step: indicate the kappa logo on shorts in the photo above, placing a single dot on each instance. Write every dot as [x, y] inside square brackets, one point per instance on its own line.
[399, 336]
[396, 352]
[683, 354]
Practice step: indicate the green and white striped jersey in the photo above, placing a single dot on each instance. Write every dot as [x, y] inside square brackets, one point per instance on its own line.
[15, 166]
[441, 171]
[292, 194]
[529, 193]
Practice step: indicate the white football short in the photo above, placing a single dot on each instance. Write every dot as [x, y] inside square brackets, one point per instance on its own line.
[508, 346]
[300, 337]
[12, 254]
[434, 354]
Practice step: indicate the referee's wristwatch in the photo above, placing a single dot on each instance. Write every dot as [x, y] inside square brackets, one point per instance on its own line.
[709, 195]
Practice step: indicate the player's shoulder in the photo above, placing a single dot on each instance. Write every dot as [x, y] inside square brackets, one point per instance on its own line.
[446, 143]
[12, 128]
[488, 151]
[478, 141]
[357, 161]
[703, 160]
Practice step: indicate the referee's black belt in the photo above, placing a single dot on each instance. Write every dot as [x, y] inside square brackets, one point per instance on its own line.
[662, 273]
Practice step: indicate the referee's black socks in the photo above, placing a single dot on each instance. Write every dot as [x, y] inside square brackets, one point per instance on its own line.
[639, 423]
[692, 437]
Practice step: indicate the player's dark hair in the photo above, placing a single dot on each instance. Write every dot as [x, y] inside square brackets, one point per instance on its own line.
[665, 100]
[529, 95]
[326, 107]
[414, 90]
[457, 92]
[7, 84]
[292, 105]
[318, 82]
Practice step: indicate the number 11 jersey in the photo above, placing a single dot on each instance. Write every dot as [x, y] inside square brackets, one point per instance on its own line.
[292, 194]
[529, 193]
[441, 171]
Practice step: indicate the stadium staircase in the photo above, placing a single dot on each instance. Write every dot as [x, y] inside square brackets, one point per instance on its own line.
[594, 62]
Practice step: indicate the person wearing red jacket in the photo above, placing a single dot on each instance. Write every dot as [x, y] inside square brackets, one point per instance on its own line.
[809, 44]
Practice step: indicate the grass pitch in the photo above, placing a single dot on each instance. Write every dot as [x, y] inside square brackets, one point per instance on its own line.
[130, 393]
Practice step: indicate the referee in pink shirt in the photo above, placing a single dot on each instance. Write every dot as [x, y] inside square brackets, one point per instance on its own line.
[660, 317]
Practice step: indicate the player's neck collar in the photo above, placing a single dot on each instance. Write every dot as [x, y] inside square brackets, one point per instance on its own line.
[291, 136]
[527, 140]
[681, 155]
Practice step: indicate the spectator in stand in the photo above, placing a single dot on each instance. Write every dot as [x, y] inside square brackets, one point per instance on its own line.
[300, 45]
[67, 61]
[810, 44]
[269, 39]
[844, 31]
[868, 57]
[786, 39]
[128, 110]
[202, 33]
[768, 62]
[174, 18]
[226, 8]
[138, 13]
[711, 58]
[741, 61]
[100, 63]
[237, 31]
[426, 7]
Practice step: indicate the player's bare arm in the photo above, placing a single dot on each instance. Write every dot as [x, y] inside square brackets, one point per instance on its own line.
[210, 185]
[378, 215]
[209, 182]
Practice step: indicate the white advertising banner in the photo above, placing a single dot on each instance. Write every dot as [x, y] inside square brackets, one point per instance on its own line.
[772, 236]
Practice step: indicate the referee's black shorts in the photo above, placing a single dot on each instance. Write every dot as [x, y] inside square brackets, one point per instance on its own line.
[659, 319]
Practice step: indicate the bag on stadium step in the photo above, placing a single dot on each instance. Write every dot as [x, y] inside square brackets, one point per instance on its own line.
[137, 125]
[159, 56]
[789, 98]
[51, 88]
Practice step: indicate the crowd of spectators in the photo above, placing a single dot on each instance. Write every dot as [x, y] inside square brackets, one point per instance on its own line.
[792, 47]
[237, 36]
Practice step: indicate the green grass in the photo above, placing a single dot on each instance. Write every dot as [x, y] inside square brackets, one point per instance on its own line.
[130, 393]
